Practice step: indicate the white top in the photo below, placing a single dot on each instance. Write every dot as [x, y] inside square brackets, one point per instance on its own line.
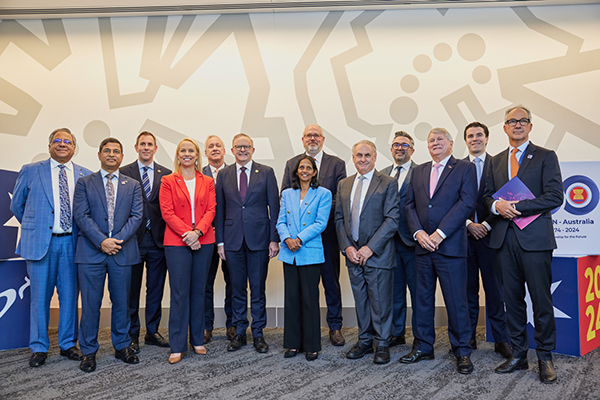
[191, 186]
[55, 170]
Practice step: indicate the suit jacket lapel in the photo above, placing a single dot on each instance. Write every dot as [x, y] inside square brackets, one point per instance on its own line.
[99, 183]
[445, 172]
[77, 173]
[253, 177]
[183, 188]
[121, 191]
[486, 165]
[427, 182]
[308, 199]
[324, 167]
[158, 174]
[526, 158]
[46, 178]
[295, 207]
[503, 168]
[404, 186]
[375, 180]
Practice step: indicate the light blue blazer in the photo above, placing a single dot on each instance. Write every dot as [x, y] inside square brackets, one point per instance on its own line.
[33, 205]
[306, 221]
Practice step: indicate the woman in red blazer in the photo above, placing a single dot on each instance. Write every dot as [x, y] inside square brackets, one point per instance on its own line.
[188, 203]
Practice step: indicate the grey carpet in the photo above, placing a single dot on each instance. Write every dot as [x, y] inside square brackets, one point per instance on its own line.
[246, 374]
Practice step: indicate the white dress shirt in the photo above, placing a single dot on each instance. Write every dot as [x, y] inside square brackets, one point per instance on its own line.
[365, 186]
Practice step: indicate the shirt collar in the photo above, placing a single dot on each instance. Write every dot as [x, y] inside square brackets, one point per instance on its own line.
[443, 162]
[368, 175]
[521, 147]
[104, 173]
[404, 166]
[141, 166]
[55, 164]
[481, 157]
[248, 166]
[318, 157]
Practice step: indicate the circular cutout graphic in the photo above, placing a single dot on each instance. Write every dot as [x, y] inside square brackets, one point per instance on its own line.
[422, 63]
[442, 52]
[471, 47]
[482, 74]
[409, 83]
[404, 110]
[95, 132]
[581, 195]
[422, 130]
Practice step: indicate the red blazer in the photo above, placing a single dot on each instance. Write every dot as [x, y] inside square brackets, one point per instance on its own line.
[177, 210]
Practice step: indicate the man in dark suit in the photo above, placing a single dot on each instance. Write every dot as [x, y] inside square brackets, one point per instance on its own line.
[440, 197]
[108, 208]
[525, 255]
[481, 257]
[150, 236]
[42, 203]
[214, 150]
[246, 235]
[332, 170]
[402, 149]
[366, 218]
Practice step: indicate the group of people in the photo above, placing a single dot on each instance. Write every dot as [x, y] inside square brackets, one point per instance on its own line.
[407, 226]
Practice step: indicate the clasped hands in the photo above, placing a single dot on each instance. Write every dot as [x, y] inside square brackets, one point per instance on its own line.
[429, 242]
[506, 208]
[191, 239]
[293, 244]
[111, 246]
[359, 256]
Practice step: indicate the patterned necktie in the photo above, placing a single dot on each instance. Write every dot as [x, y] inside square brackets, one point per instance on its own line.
[398, 170]
[110, 202]
[355, 212]
[514, 164]
[147, 190]
[434, 178]
[65, 202]
[243, 183]
[215, 174]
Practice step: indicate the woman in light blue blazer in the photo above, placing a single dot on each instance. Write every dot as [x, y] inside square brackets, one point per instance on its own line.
[303, 216]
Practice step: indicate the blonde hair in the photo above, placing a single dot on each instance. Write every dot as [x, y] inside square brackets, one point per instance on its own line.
[197, 164]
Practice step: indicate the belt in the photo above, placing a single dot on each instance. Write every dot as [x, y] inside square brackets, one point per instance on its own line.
[62, 234]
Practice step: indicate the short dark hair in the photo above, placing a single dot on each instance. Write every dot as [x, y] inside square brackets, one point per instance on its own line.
[406, 135]
[314, 183]
[477, 125]
[109, 140]
[145, 133]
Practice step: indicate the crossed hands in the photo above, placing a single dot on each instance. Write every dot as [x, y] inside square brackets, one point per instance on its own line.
[111, 246]
[191, 239]
[429, 242]
[359, 256]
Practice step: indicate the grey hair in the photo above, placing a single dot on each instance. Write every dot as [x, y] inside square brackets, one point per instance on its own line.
[522, 107]
[442, 131]
[367, 142]
[66, 130]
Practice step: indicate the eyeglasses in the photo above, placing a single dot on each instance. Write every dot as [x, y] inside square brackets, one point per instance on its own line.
[405, 146]
[242, 147]
[65, 141]
[113, 151]
[313, 136]
[522, 122]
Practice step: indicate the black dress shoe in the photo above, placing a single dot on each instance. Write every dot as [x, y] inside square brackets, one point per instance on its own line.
[207, 335]
[37, 359]
[547, 372]
[415, 356]
[260, 345]
[511, 365]
[230, 332]
[396, 340]
[473, 344]
[291, 353]
[503, 349]
[236, 343]
[135, 344]
[336, 337]
[88, 363]
[72, 354]
[359, 350]
[382, 355]
[312, 356]
[464, 365]
[126, 354]
[155, 339]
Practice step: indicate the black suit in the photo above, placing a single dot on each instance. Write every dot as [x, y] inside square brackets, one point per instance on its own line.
[483, 258]
[331, 171]
[152, 254]
[525, 255]
[209, 301]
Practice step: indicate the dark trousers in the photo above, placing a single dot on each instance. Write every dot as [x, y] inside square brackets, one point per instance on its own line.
[452, 275]
[482, 258]
[372, 289]
[330, 278]
[156, 273]
[91, 283]
[187, 277]
[302, 319]
[534, 268]
[404, 275]
[209, 304]
[248, 267]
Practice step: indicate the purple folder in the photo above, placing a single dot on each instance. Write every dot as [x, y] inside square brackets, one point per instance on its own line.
[515, 189]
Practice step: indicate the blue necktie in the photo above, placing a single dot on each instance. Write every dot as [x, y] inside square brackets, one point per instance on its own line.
[65, 203]
[147, 190]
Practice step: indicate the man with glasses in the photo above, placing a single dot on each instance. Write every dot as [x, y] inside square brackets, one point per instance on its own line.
[332, 170]
[108, 208]
[402, 150]
[42, 203]
[525, 255]
[247, 211]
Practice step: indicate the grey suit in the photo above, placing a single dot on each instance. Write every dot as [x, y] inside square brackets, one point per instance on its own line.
[371, 283]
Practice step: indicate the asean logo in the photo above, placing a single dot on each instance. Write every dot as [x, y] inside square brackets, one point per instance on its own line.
[581, 195]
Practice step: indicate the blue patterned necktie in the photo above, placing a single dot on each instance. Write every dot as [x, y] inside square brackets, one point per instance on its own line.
[147, 190]
[110, 202]
[65, 203]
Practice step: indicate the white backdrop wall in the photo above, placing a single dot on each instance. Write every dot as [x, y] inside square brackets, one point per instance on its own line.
[357, 74]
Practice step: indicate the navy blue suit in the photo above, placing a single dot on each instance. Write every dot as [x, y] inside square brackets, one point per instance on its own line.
[91, 213]
[331, 171]
[483, 258]
[150, 243]
[246, 229]
[209, 301]
[451, 204]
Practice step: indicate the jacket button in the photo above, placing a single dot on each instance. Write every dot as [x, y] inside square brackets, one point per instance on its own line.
[288, 212]
[50, 227]
[429, 206]
[304, 224]
[308, 212]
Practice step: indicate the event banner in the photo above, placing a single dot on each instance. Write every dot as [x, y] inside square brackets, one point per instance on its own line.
[576, 222]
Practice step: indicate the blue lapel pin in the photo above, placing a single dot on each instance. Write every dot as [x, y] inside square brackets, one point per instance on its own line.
[530, 156]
